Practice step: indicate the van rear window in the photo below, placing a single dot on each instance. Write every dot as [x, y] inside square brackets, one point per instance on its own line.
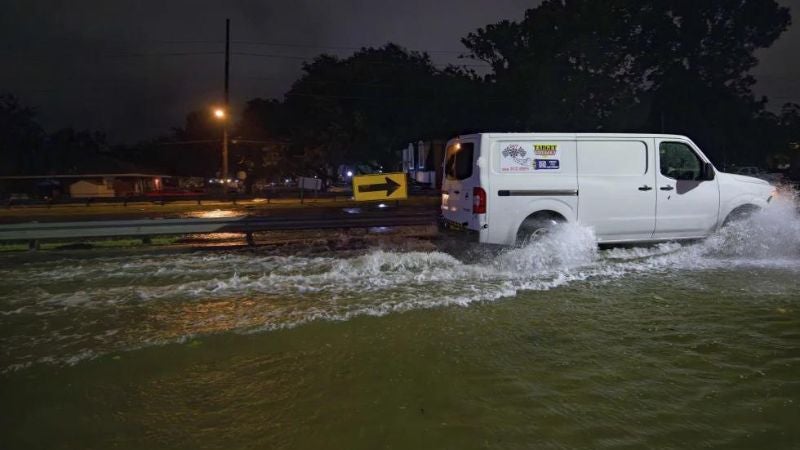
[458, 164]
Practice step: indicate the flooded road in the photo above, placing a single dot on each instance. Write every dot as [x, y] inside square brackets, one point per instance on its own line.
[557, 344]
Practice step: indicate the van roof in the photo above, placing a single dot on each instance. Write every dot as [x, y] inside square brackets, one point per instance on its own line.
[534, 135]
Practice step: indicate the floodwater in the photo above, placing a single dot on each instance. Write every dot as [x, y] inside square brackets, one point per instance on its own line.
[557, 344]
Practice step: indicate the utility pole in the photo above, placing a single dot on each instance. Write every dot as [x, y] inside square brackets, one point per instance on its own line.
[227, 108]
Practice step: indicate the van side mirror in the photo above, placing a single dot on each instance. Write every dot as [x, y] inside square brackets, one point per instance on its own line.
[708, 172]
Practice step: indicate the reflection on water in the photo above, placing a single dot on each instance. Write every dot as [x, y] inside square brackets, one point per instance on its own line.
[215, 214]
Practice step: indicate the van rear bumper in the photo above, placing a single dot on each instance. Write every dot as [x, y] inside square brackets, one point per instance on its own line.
[455, 228]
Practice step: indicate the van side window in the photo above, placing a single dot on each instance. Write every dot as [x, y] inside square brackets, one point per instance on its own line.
[458, 165]
[612, 158]
[679, 161]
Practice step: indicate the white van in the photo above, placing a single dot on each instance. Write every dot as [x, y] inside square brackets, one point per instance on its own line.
[627, 187]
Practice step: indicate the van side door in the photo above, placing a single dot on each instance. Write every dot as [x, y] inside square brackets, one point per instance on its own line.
[687, 204]
[616, 182]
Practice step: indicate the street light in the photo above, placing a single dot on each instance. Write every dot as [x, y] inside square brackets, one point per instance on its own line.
[222, 115]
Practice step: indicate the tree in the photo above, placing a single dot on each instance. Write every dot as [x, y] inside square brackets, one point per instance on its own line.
[633, 65]
[191, 150]
[21, 137]
[71, 151]
[261, 142]
[364, 108]
[788, 146]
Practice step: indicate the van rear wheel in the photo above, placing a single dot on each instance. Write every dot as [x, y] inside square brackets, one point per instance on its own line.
[536, 226]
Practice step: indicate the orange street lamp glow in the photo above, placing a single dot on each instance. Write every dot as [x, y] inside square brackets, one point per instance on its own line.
[219, 113]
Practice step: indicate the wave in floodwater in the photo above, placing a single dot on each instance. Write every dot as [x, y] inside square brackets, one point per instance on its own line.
[71, 309]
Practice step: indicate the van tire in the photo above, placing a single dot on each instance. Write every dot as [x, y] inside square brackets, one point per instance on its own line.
[537, 225]
[743, 212]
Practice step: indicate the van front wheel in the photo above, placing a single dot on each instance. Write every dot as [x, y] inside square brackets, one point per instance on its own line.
[739, 214]
[536, 226]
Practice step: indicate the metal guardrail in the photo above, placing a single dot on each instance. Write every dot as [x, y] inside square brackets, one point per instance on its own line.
[199, 198]
[153, 227]
[164, 199]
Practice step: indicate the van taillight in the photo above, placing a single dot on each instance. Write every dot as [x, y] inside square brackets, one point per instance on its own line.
[478, 201]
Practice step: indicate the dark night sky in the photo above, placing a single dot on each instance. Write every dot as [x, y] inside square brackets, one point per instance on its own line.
[132, 68]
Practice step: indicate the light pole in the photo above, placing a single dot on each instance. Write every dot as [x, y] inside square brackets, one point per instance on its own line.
[225, 109]
[222, 115]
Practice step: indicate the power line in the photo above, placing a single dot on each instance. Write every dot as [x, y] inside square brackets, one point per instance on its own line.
[133, 55]
[113, 56]
[265, 55]
[354, 97]
[372, 61]
[383, 97]
[324, 82]
[337, 47]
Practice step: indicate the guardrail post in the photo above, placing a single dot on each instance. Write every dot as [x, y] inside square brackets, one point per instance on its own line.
[249, 238]
[146, 240]
[33, 245]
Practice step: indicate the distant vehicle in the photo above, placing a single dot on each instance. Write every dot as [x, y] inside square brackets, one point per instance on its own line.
[348, 188]
[753, 171]
[417, 187]
[19, 198]
[627, 187]
[750, 171]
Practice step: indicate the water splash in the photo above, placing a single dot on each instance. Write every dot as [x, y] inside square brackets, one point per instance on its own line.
[566, 246]
[66, 310]
[772, 233]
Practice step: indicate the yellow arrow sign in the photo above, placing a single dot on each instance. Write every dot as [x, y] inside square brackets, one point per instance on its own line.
[380, 186]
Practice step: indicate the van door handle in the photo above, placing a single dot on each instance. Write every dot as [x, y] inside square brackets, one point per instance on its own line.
[456, 192]
[667, 188]
[645, 188]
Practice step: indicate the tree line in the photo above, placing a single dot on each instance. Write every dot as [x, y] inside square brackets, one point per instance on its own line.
[568, 65]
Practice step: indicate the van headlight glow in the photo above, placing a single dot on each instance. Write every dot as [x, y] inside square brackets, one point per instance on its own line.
[773, 194]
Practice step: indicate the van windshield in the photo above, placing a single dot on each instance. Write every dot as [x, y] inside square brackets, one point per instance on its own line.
[458, 164]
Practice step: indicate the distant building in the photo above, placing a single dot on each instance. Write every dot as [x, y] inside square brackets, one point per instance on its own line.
[422, 161]
[101, 185]
[91, 189]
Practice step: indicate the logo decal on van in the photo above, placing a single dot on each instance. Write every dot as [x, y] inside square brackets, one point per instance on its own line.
[545, 149]
[544, 164]
[514, 159]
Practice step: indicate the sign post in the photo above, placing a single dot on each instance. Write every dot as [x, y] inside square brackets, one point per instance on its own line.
[314, 184]
[380, 186]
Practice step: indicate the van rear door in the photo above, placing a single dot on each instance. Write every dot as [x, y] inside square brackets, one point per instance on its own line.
[461, 176]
